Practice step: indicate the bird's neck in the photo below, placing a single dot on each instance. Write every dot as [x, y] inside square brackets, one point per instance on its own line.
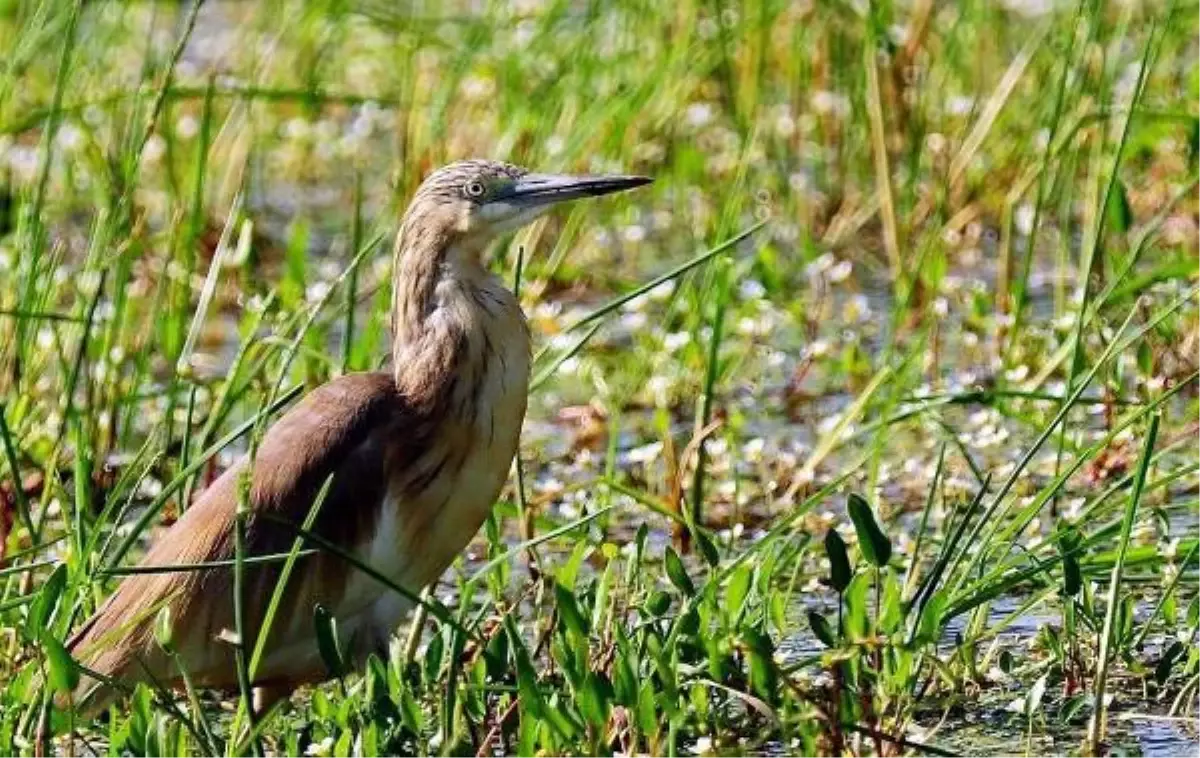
[448, 314]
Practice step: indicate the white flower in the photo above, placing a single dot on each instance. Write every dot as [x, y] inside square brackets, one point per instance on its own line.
[676, 340]
[959, 105]
[187, 127]
[1024, 219]
[634, 233]
[751, 289]
[698, 114]
[840, 271]
[155, 147]
[830, 103]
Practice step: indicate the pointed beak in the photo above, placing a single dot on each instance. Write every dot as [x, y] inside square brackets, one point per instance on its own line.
[541, 190]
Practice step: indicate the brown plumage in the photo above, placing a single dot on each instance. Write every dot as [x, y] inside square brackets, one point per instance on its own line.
[416, 457]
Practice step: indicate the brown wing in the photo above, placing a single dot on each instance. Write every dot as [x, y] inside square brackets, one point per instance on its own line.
[338, 429]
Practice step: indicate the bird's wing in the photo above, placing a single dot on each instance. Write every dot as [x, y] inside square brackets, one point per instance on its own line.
[336, 430]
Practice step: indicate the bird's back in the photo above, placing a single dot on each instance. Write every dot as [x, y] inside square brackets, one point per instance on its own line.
[339, 429]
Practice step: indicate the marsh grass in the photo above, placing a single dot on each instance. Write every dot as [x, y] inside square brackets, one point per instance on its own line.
[874, 417]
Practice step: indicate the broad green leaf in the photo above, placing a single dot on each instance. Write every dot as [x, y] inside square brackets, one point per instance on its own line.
[1162, 671]
[737, 590]
[839, 560]
[872, 541]
[821, 629]
[64, 672]
[678, 574]
[568, 610]
[658, 603]
[163, 629]
[41, 612]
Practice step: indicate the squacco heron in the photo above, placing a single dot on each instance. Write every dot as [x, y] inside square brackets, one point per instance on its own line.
[412, 460]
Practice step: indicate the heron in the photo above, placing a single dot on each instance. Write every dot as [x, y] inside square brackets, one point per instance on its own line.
[409, 463]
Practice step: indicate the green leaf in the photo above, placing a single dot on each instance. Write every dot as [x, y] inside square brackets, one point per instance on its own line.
[570, 569]
[64, 672]
[41, 611]
[497, 648]
[872, 541]
[647, 710]
[737, 590]
[595, 699]
[658, 603]
[821, 629]
[1068, 541]
[1073, 707]
[929, 627]
[1118, 215]
[1162, 671]
[625, 683]
[839, 560]
[677, 574]
[163, 629]
[410, 712]
[856, 619]
[527, 687]
[327, 641]
[764, 678]
[891, 611]
[568, 610]
[707, 549]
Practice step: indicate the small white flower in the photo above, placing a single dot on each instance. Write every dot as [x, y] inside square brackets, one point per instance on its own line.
[1024, 219]
[751, 289]
[698, 114]
[820, 265]
[634, 233]
[316, 292]
[1017, 373]
[154, 150]
[676, 340]
[959, 105]
[840, 271]
[662, 291]
[634, 321]
[187, 127]
[829, 103]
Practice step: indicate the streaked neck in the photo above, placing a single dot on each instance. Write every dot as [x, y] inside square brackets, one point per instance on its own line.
[447, 309]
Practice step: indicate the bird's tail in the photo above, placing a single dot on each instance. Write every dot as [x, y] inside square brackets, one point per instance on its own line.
[115, 649]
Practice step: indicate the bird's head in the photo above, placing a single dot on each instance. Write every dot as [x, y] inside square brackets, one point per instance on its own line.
[475, 201]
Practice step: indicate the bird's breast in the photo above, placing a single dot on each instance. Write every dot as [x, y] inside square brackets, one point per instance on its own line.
[437, 501]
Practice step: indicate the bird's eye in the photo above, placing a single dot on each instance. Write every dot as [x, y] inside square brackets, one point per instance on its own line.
[475, 189]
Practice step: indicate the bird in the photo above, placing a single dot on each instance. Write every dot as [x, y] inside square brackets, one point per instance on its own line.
[410, 460]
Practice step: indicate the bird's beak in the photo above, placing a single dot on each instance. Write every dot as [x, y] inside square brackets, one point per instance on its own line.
[548, 189]
[533, 194]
